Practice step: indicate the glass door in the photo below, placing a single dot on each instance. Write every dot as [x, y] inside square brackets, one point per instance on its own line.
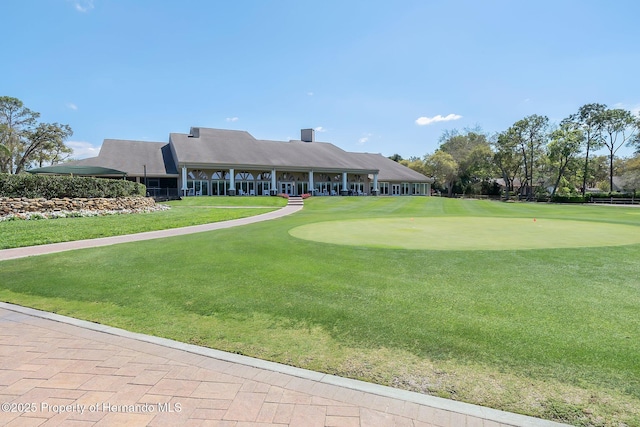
[287, 188]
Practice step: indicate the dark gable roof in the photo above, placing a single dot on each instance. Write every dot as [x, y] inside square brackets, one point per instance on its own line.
[227, 147]
[132, 156]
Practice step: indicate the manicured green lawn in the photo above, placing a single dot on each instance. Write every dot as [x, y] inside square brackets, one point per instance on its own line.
[190, 211]
[468, 233]
[553, 333]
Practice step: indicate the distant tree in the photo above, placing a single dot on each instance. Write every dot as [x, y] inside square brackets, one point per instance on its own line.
[630, 175]
[472, 153]
[598, 173]
[443, 167]
[396, 157]
[565, 145]
[25, 140]
[415, 163]
[590, 120]
[507, 159]
[619, 127]
[530, 135]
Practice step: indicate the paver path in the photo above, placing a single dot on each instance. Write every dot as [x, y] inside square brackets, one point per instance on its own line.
[55, 370]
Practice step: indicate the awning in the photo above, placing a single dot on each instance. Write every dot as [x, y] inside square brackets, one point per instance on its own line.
[76, 170]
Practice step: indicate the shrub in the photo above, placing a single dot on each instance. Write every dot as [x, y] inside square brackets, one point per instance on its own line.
[285, 196]
[569, 199]
[55, 186]
[615, 195]
[305, 195]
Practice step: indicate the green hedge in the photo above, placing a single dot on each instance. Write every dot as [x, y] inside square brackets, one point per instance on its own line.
[56, 186]
[569, 199]
[615, 195]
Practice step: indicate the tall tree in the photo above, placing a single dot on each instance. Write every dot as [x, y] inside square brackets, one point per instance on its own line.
[590, 119]
[26, 140]
[472, 152]
[529, 135]
[619, 127]
[565, 145]
[507, 159]
[443, 167]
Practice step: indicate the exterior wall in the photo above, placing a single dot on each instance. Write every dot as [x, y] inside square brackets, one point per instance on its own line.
[394, 188]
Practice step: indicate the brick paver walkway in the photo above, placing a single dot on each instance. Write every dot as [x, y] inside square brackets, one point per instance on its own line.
[57, 371]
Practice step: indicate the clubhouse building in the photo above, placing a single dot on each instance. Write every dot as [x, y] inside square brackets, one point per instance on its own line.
[229, 162]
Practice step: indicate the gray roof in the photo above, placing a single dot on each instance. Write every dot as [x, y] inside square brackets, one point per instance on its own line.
[227, 147]
[388, 169]
[132, 156]
[213, 148]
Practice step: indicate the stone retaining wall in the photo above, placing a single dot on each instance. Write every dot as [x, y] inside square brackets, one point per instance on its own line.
[10, 205]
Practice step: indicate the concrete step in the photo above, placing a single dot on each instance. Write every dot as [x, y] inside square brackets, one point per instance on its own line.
[296, 201]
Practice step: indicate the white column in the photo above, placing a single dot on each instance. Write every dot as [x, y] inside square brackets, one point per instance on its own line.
[184, 180]
[274, 190]
[232, 183]
[311, 182]
[375, 184]
[344, 191]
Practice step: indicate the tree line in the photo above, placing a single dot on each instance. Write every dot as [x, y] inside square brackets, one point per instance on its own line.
[26, 142]
[534, 158]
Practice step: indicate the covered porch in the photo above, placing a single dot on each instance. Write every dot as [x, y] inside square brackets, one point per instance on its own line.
[212, 181]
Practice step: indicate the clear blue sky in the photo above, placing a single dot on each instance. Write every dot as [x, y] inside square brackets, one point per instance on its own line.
[369, 75]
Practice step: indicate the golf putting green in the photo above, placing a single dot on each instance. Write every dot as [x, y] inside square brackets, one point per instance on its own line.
[468, 233]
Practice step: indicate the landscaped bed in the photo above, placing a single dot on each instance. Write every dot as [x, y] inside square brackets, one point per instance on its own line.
[552, 333]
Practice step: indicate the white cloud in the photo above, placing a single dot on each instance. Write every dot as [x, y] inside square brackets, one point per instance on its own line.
[72, 106]
[424, 121]
[635, 109]
[320, 129]
[364, 139]
[232, 119]
[83, 5]
[309, 93]
[82, 150]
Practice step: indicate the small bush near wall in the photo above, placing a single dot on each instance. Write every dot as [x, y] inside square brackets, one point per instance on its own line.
[55, 186]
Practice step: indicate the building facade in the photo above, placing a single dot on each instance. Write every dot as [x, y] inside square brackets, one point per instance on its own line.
[228, 162]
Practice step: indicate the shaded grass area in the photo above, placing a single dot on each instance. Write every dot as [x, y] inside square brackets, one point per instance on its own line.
[551, 333]
[182, 213]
